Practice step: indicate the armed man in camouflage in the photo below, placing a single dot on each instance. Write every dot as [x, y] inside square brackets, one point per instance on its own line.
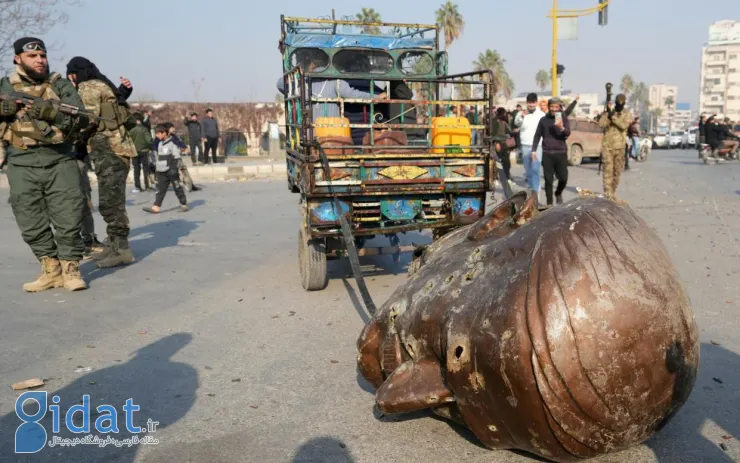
[615, 123]
[111, 150]
[42, 169]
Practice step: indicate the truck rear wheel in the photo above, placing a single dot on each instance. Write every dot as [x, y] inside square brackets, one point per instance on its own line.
[576, 155]
[312, 262]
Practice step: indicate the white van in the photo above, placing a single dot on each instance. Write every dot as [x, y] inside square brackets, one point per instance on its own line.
[689, 138]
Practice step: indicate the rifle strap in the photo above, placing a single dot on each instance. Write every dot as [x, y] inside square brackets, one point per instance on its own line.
[348, 238]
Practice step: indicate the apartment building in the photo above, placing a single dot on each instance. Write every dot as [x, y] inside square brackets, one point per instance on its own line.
[659, 95]
[720, 71]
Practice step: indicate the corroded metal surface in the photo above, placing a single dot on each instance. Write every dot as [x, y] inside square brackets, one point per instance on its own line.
[567, 334]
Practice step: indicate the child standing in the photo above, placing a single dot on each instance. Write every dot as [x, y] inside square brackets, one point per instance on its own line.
[168, 158]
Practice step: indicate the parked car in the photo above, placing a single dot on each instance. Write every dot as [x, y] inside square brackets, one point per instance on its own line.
[674, 139]
[689, 137]
[660, 140]
[584, 141]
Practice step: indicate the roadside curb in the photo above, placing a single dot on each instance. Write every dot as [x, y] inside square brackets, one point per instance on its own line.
[211, 174]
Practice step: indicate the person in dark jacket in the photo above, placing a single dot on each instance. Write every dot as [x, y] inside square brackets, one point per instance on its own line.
[501, 128]
[211, 135]
[142, 138]
[404, 113]
[195, 138]
[553, 130]
[712, 133]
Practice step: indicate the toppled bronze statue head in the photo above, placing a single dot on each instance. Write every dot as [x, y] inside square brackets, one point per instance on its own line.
[567, 334]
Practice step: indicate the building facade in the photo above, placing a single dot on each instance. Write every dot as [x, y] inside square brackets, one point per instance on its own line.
[683, 117]
[663, 97]
[720, 71]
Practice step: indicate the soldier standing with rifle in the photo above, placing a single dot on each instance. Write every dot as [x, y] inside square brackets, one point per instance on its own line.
[39, 115]
[615, 122]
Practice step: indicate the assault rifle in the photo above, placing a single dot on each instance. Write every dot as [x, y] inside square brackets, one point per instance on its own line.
[63, 108]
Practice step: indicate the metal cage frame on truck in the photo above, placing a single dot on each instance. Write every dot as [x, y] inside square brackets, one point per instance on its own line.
[382, 189]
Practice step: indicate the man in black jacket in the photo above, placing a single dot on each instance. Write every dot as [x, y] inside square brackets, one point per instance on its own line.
[553, 130]
[195, 137]
[211, 134]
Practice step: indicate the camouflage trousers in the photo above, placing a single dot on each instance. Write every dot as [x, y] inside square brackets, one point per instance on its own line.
[112, 171]
[612, 167]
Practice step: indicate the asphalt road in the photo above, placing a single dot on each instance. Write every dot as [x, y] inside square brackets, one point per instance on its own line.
[212, 335]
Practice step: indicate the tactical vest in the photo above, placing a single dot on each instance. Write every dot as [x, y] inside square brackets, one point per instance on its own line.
[112, 111]
[25, 132]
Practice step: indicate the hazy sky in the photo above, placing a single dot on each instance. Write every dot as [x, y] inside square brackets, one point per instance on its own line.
[164, 45]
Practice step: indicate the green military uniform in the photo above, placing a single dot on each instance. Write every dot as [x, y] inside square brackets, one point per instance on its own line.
[613, 147]
[111, 150]
[42, 170]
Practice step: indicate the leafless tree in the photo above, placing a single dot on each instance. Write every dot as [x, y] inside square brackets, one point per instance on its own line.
[197, 84]
[28, 17]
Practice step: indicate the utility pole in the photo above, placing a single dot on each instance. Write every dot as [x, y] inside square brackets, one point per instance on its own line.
[555, 14]
[554, 72]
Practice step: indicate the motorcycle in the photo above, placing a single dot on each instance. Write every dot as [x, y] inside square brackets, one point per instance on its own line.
[644, 149]
[723, 154]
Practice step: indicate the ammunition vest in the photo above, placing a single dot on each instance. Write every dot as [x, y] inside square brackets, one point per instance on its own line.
[25, 132]
[112, 111]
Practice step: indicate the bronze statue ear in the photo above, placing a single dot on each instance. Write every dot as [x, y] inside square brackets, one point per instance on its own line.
[412, 387]
[368, 359]
[516, 210]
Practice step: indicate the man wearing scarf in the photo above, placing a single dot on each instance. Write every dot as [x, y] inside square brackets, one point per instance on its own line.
[111, 150]
[42, 168]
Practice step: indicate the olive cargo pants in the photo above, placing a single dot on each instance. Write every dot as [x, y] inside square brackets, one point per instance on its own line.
[46, 196]
[88, 223]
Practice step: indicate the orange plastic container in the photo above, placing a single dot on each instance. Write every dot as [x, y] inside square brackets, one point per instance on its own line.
[451, 132]
[339, 127]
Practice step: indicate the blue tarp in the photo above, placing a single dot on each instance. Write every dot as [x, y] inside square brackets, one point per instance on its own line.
[357, 41]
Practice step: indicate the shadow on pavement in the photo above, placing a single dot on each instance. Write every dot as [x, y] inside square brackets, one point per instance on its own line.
[324, 449]
[710, 401]
[164, 389]
[356, 303]
[144, 241]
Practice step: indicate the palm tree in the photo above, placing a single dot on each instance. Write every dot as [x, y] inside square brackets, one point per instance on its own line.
[508, 88]
[542, 78]
[450, 19]
[655, 114]
[639, 98]
[490, 60]
[369, 16]
[669, 102]
[627, 84]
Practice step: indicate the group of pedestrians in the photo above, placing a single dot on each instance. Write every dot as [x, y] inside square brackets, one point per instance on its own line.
[200, 135]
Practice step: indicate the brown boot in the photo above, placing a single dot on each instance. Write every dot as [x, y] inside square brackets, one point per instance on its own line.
[72, 278]
[103, 254]
[116, 257]
[51, 276]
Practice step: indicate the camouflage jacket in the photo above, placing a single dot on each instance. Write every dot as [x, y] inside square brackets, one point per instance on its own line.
[615, 135]
[94, 93]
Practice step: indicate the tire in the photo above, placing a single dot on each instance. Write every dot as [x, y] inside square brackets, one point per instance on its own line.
[576, 155]
[642, 156]
[312, 262]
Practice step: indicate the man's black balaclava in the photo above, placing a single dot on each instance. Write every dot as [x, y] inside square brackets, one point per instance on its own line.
[26, 44]
[85, 70]
[620, 102]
